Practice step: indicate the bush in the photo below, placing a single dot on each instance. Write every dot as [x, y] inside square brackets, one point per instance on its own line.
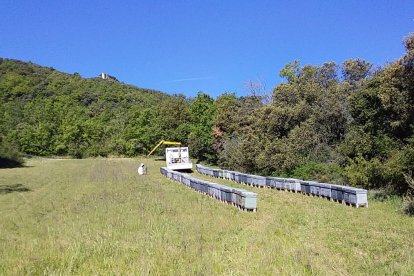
[317, 172]
[408, 200]
[407, 206]
[10, 157]
[363, 173]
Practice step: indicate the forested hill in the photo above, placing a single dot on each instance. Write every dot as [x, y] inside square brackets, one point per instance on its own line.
[44, 111]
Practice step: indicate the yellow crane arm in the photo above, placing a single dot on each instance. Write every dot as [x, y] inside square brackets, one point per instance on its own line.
[163, 143]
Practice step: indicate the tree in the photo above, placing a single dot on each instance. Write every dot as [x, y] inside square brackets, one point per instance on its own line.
[203, 111]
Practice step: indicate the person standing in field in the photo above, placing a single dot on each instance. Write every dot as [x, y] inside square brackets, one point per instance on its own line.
[141, 169]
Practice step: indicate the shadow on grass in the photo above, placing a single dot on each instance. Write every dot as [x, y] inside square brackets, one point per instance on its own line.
[186, 171]
[159, 159]
[6, 189]
[6, 163]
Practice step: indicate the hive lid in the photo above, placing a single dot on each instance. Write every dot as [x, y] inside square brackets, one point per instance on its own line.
[249, 194]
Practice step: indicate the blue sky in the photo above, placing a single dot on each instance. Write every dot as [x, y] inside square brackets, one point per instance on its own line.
[190, 46]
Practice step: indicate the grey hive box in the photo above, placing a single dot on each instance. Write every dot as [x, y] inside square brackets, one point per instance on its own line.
[294, 184]
[314, 188]
[235, 196]
[232, 175]
[288, 184]
[249, 179]
[200, 169]
[259, 181]
[325, 189]
[237, 177]
[211, 188]
[270, 181]
[217, 172]
[193, 183]
[227, 193]
[177, 176]
[200, 185]
[305, 186]
[223, 190]
[355, 196]
[188, 181]
[280, 183]
[243, 178]
[207, 187]
[274, 182]
[226, 174]
[184, 179]
[337, 192]
[217, 191]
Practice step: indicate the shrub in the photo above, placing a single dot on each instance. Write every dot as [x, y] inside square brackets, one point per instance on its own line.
[408, 200]
[9, 156]
[316, 171]
[407, 206]
[364, 173]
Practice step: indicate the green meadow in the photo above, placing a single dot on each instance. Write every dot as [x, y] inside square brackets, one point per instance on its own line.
[99, 217]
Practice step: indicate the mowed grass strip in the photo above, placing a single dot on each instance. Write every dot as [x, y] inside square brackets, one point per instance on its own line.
[97, 216]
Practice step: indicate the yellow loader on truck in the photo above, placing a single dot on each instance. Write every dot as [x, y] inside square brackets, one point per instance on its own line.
[177, 158]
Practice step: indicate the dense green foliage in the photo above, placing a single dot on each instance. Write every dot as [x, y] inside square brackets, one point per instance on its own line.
[46, 112]
[346, 123]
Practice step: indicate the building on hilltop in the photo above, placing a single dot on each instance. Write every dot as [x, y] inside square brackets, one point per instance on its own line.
[107, 77]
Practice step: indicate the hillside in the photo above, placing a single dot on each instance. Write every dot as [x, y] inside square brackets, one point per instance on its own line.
[50, 112]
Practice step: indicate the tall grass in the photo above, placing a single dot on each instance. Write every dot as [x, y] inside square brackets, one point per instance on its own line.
[97, 216]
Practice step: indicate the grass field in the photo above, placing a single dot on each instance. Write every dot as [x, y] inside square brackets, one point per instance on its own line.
[98, 217]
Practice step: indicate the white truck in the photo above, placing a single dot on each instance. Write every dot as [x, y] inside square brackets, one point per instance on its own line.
[177, 158]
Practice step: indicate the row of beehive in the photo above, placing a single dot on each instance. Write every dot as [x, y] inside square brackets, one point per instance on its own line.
[344, 194]
[241, 198]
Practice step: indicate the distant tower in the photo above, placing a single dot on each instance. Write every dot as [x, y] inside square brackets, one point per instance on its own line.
[107, 77]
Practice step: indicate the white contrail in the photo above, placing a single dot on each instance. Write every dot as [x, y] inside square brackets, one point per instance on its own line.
[192, 79]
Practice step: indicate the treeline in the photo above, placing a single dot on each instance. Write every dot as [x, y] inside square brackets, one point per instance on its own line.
[349, 123]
